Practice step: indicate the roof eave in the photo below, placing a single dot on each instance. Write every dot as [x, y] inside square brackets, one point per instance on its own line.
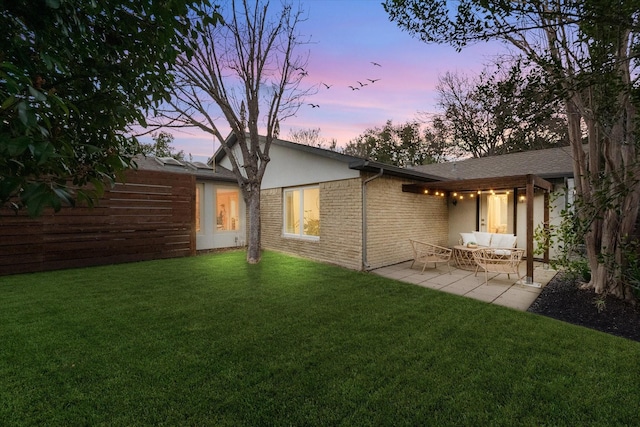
[371, 166]
[481, 184]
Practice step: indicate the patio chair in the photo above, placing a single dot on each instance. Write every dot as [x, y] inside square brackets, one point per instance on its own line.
[426, 253]
[498, 260]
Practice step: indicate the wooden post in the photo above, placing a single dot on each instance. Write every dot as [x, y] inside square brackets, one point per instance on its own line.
[546, 227]
[529, 195]
[515, 211]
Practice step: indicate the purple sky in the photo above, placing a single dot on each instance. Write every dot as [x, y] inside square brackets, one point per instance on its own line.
[347, 35]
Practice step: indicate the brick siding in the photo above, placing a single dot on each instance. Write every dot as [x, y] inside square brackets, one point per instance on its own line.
[393, 217]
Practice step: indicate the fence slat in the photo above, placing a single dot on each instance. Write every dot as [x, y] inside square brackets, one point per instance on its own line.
[151, 216]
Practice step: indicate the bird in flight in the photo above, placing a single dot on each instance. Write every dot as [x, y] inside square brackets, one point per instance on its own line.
[373, 80]
[362, 84]
[314, 106]
[326, 85]
[354, 88]
[376, 64]
[301, 71]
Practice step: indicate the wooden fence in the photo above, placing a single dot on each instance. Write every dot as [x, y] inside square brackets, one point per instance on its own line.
[151, 216]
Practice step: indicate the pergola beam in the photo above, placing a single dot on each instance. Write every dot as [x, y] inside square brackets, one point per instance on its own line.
[479, 184]
[529, 182]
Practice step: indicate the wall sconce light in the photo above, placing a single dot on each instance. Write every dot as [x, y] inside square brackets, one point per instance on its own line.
[522, 199]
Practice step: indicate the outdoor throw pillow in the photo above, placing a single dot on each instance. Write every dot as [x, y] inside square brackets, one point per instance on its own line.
[482, 238]
[467, 238]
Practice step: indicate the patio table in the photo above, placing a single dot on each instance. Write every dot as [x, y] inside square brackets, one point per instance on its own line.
[463, 257]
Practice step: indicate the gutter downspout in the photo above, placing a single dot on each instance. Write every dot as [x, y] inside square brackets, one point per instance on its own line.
[365, 263]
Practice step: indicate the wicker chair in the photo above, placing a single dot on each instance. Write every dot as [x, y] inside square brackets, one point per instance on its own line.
[498, 260]
[426, 253]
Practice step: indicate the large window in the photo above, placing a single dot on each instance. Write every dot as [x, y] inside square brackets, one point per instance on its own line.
[199, 193]
[227, 210]
[302, 212]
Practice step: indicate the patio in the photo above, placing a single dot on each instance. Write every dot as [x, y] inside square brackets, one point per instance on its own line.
[499, 290]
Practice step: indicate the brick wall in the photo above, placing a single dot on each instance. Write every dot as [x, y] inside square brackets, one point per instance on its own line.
[395, 217]
[340, 225]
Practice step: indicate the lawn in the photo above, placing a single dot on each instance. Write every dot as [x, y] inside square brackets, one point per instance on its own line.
[210, 340]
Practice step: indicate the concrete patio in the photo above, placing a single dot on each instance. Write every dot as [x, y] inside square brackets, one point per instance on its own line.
[499, 290]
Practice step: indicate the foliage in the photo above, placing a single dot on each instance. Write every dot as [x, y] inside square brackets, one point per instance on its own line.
[161, 146]
[74, 75]
[248, 72]
[568, 239]
[499, 112]
[212, 340]
[587, 52]
[312, 138]
[311, 226]
[400, 145]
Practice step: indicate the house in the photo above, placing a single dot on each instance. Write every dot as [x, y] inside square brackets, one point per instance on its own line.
[503, 208]
[220, 213]
[315, 203]
[342, 209]
[361, 214]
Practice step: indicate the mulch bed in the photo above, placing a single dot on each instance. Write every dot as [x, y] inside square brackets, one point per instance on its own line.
[563, 299]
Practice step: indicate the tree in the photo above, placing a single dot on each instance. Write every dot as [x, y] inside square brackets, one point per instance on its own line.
[437, 135]
[400, 145]
[312, 137]
[161, 146]
[248, 70]
[500, 111]
[588, 51]
[73, 76]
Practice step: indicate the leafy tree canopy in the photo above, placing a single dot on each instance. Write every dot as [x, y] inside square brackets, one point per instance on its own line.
[503, 110]
[400, 145]
[161, 146]
[74, 74]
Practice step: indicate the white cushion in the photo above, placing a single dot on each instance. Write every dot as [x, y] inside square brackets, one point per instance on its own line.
[502, 252]
[503, 241]
[467, 238]
[482, 238]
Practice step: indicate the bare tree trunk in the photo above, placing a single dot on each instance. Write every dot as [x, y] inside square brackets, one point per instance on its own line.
[252, 200]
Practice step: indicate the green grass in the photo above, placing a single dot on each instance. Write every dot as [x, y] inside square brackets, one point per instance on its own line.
[210, 340]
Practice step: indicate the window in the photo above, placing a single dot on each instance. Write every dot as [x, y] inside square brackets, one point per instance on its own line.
[497, 213]
[302, 212]
[199, 193]
[227, 210]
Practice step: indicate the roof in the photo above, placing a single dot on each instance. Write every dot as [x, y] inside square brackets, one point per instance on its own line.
[199, 169]
[353, 162]
[548, 163]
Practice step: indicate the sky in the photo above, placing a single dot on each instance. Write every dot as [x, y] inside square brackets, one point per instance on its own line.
[347, 36]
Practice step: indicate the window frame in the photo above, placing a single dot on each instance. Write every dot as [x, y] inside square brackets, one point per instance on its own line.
[199, 223]
[300, 190]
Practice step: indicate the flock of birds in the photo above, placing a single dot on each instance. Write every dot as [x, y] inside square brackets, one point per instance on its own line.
[352, 87]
